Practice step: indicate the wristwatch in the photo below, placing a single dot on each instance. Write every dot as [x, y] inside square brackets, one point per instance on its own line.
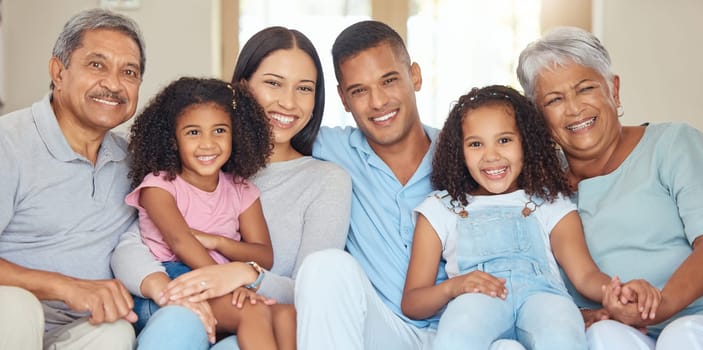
[260, 270]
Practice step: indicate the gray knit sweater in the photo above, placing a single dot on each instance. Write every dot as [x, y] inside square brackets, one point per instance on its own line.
[306, 203]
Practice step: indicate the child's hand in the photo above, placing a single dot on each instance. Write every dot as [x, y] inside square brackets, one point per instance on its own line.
[592, 316]
[644, 294]
[241, 294]
[205, 283]
[207, 240]
[479, 282]
[626, 313]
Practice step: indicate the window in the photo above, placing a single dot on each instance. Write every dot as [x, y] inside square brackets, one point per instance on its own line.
[460, 44]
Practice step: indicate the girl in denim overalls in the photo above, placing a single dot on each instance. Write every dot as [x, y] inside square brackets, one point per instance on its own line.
[500, 220]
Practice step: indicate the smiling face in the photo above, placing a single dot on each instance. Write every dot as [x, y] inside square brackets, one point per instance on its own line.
[492, 148]
[580, 109]
[378, 87]
[99, 88]
[284, 85]
[204, 138]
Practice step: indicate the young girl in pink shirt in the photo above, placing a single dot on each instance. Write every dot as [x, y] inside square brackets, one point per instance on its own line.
[193, 148]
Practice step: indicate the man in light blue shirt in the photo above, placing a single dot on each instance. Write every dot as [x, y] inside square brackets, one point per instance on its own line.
[352, 301]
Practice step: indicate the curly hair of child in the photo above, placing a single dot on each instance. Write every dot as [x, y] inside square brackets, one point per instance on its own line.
[153, 147]
[541, 175]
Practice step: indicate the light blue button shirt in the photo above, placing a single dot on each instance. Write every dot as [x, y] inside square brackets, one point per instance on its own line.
[382, 220]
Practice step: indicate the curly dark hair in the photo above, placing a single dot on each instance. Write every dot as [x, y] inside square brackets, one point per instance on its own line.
[153, 146]
[541, 174]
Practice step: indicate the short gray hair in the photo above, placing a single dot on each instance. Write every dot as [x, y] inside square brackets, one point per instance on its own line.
[71, 36]
[559, 47]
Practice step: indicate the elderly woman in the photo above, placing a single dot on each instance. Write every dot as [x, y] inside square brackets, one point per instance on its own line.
[640, 193]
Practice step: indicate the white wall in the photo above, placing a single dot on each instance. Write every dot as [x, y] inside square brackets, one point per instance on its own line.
[179, 41]
[657, 49]
[2, 62]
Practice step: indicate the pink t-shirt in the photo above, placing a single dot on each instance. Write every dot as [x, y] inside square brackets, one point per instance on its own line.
[214, 212]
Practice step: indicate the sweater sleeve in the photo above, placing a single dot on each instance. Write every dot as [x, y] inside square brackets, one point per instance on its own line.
[326, 224]
[132, 261]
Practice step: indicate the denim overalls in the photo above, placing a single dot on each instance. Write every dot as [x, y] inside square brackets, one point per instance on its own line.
[538, 312]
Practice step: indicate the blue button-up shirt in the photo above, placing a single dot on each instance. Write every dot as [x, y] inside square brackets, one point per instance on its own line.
[382, 219]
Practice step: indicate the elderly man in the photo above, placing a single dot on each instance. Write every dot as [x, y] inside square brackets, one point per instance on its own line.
[62, 211]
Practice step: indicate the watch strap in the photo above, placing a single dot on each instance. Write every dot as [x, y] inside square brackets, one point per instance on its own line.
[257, 282]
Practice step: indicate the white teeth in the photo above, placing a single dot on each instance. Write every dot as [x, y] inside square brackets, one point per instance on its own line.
[206, 158]
[111, 103]
[580, 126]
[384, 117]
[282, 118]
[496, 171]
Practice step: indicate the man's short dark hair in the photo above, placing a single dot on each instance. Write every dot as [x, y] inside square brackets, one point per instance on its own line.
[364, 35]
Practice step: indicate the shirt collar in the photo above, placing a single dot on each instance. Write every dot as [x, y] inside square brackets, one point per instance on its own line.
[358, 140]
